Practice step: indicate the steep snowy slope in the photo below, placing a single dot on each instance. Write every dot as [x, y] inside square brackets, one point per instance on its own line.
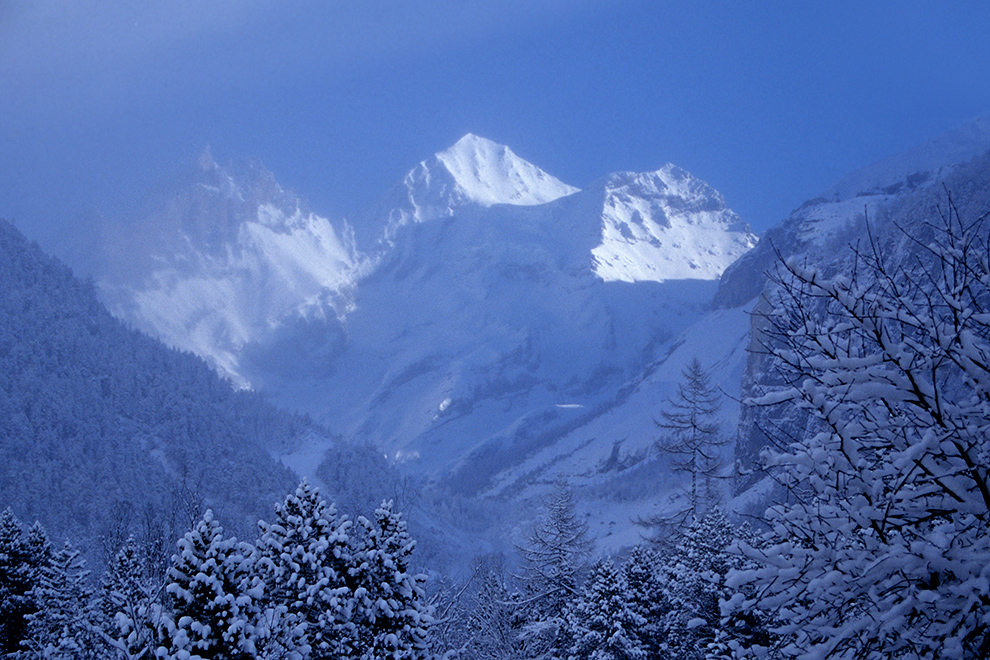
[230, 259]
[507, 328]
[666, 225]
[609, 457]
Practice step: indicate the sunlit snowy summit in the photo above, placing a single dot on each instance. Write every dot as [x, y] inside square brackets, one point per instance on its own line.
[483, 307]
[652, 226]
[666, 225]
[472, 171]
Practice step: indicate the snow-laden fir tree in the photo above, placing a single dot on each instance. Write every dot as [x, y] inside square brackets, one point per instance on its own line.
[692, 583]
[601, 623]
[305, 560]
[646, 597]
[391, 613]
[66, 624]
[883, 550]
[20, 563]
[215, 598]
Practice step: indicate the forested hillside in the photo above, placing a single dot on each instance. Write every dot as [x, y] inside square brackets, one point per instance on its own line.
[105, 431]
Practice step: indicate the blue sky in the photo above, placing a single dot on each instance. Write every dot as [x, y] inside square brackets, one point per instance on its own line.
[101, 101]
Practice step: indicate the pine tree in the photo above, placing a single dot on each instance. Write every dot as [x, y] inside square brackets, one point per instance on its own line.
[18, 573]
[646, 597]
[694, 581]
[692, 435]
[601, 623]
[305, 559]
[557, 553]
[66, 623]
[391, 614]
[214, 597]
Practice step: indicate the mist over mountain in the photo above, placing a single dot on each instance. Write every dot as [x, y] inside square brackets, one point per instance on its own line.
[491, 328]
[227, 259]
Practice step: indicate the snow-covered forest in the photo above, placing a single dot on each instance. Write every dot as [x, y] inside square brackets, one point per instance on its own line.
[316, 584]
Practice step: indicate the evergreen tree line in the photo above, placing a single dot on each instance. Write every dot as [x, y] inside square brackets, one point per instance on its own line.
[315, 584]
[663, 602]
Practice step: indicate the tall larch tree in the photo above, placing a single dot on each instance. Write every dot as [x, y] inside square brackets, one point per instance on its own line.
[690, 434]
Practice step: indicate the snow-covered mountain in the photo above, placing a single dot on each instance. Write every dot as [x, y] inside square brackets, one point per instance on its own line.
[496, 308]
[228, 260]
[666, 225]
[498, 328]
[505, 306]
[472, 172]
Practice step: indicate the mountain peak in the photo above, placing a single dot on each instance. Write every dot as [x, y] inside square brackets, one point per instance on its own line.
[471, 143]
[474, 171]
[489, 173]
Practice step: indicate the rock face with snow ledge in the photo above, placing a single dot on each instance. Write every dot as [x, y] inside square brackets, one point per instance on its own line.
[838, 216]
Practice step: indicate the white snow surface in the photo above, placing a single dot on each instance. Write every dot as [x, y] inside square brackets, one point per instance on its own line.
[487, 173]
[666, 225]
[492, 320]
